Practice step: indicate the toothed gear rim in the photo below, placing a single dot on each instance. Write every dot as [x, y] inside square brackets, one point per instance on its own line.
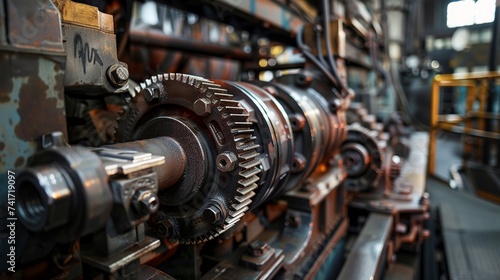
[361, 140]
[221, 127]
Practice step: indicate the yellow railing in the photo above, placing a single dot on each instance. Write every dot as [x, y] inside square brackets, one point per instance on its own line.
[477, 90]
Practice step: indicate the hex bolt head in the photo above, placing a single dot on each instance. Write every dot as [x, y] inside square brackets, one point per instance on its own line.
[118, 75]
[164, 228]
[151, 95]
[202, 107]
[213, 214]
[297, 121]
[257, 248]
[145, 202]
[226, 161]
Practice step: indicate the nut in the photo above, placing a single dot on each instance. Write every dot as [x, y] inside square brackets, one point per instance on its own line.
[257, 248]
[202, 107]
[151, 94]
[118, 75]
[226, 161]
[212, 214]
[44, 198]
[145, 202]
[164, 227]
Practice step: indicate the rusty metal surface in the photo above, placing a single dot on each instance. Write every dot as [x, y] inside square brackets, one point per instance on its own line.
[3, 24]
[31, 102]
[34, 25]
[85, 15]
[90, 53]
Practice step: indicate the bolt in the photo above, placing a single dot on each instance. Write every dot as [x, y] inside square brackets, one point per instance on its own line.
[151, 94]
[145, 202]
[213, 214]
[303, 80]
[297, 121]
[202, 107]
[226, 161]
[257, 248]
[298, 163]
[118, 75]
[164, 227]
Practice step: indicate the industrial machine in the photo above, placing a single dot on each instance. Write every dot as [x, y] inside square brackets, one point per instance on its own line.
[182, 176]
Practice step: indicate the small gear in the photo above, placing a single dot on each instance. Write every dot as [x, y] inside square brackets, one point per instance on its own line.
[363, 158]
[223, 180]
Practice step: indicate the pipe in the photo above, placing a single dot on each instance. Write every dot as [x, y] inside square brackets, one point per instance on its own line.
[156, 39]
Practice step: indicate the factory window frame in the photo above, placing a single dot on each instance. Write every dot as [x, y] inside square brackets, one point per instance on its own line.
[470, 12]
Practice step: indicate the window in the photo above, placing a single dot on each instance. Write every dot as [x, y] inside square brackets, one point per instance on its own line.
[469, 12]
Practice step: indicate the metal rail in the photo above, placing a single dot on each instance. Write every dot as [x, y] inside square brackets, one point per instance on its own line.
[477, 90]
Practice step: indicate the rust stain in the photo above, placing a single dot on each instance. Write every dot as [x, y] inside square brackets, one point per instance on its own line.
[2, 146]
[38, 113]
[7, 85]
[19, 162]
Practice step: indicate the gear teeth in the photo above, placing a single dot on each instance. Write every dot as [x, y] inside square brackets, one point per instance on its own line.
[245, 137]
[237, 131]
[373, 137]
[251, 163]
[244, 199]
[240, 124]
[236, 118]
[237, 207]
[250, 172]
[248, 156]
[248, 185]
[235, 110]
[248, 147]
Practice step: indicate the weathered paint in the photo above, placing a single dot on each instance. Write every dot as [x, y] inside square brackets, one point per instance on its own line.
[35, 105]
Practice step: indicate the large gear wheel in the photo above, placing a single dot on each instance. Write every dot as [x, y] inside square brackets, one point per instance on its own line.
[222, 165]
[363, 159]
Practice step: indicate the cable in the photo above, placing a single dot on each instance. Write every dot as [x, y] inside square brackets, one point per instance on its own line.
[319, 48]
[313, 59]
[327, 37]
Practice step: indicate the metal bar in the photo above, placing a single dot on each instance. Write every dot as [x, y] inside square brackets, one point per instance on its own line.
[368, 252]
[482, 115]
[468, 122]
[434, 119]
[156, 39]
[257, 67]
[467, 76]
[471, 132]
[492, 66]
